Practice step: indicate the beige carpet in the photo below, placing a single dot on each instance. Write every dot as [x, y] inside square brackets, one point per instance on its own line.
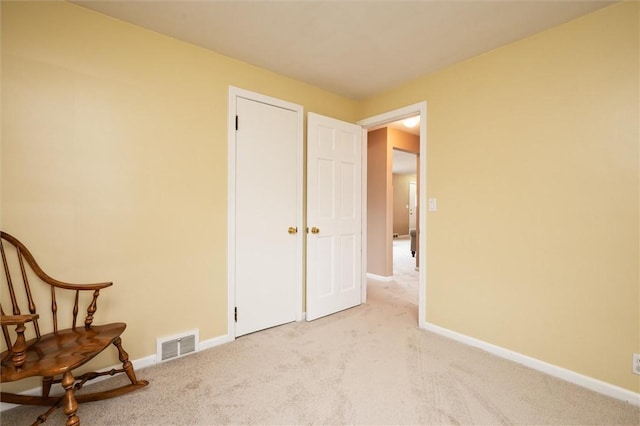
[369, 365]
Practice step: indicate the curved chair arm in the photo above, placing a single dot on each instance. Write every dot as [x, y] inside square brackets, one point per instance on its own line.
[43, 275]
[71, 286]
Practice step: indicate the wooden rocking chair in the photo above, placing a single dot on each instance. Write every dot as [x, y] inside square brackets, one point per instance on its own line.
[55, 354]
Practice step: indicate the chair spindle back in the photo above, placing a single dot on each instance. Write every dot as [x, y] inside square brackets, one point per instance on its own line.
[18, 262]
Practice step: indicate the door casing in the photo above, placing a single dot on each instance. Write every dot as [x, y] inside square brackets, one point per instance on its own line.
[379, 121]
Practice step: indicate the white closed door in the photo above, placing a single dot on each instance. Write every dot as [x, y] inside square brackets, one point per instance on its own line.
[267, 254]
[413, 205]
[334, 216]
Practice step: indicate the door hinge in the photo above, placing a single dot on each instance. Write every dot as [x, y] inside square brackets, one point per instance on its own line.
[236, 122]
[235, 314]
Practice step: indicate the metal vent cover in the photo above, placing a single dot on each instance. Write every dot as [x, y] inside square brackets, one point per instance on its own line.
[176, 346]
[169, 349]
[187, 344]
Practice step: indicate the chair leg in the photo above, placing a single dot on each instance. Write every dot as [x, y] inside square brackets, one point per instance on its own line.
[124, 359]
[46, 386]
[69, 401]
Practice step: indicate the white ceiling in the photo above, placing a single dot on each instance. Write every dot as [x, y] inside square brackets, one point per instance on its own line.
[353, 48]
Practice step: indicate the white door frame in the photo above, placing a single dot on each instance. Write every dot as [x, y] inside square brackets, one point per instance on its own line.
[234, 94]
[376, 122]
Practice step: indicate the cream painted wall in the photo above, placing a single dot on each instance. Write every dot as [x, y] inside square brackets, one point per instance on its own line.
[532, 152]
[114, 166]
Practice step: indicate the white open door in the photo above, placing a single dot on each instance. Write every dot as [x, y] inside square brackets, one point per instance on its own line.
[334, 215]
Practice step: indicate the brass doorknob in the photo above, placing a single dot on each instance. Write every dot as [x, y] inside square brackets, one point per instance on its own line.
[292, 230]
[315, 230]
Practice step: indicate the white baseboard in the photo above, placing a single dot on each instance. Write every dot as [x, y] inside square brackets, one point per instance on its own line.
[544, 367]
[379, 277]
[212, 343]
[138, 364]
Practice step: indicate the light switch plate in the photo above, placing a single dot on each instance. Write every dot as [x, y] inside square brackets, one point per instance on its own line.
[433, 204]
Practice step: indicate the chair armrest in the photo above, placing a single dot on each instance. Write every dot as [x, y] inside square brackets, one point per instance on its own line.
[71, 286]
[19, 347]
[18, 319]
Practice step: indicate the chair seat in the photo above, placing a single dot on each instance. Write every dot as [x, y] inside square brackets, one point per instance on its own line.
[63, 351]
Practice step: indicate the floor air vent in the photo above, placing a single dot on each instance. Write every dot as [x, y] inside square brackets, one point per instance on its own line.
[176, 346]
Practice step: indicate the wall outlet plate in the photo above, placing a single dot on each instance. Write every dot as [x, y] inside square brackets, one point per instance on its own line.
[636, 364]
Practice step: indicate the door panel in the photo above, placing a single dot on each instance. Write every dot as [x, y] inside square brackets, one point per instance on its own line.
[334, 190]
[266, 206]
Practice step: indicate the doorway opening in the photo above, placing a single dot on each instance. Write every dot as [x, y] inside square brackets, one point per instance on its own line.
[383, 121]
[405, 197]
[404, 212]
